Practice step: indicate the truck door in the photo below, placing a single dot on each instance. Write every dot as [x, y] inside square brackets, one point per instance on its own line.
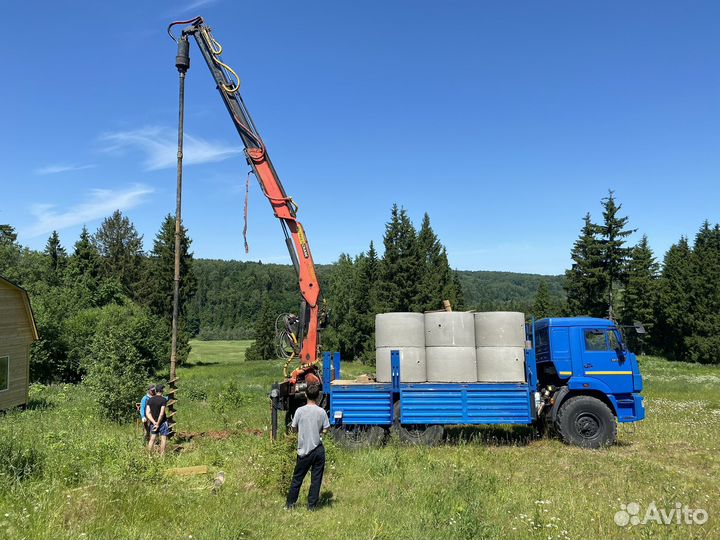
[603, 359]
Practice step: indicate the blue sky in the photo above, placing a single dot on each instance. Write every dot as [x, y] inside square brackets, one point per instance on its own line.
[505, 121]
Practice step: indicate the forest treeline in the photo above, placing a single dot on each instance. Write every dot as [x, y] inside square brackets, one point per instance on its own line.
[677, 302]
[230, 293]
[103, 303]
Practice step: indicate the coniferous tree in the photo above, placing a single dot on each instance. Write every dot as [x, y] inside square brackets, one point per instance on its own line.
[362, 313]
[672, 310]
[159, 280]
[341, 335]
[434, 269]
[84, 271]
[263, 348]
[542, 305]
[640, 295]
[121, 249]
[401, 267]
[56, 259]
[614, 254]
[453, 291]
[702, 342]
[86, 258]
[372, 263]
[10, 253]
[7, 234]
[585, 281]
[160, 270]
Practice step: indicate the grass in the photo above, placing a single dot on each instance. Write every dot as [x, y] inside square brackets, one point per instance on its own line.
[66, 474]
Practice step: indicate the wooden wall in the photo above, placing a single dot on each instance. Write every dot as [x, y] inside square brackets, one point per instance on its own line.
[15, 338]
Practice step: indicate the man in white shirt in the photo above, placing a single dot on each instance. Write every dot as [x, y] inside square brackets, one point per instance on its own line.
[310, 422]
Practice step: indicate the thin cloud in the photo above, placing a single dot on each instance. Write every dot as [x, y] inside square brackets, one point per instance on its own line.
[160, 147]
[197, 3]
[62, 167]
[99, 203]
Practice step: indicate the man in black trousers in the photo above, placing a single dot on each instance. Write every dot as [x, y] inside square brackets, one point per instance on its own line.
[310, 422]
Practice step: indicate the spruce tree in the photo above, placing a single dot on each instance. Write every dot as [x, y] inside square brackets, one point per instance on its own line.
[614, 254]
[585, 281]
[10, 253]
[340, 336]
[702, 341]
[159, 280]
[362, 314]
[121, 249]
[453, 291]
[160, 271]
[7, 234]
[640, 295]
[263, 348]
[542, 305]
[84, 273]
[435, 271]
[56, 260]
[672, 310]
[372, 263]
[86, 258]
[401, 266]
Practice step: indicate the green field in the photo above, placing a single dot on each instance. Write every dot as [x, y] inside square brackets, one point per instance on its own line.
[66, 474]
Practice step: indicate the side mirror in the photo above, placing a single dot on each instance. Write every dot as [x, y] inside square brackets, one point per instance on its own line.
[639, 328]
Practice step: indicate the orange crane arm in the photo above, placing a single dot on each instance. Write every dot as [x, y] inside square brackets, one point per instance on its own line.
[284, 208]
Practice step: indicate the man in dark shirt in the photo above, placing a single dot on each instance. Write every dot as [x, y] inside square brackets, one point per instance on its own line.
[155, 414]
[143, 403]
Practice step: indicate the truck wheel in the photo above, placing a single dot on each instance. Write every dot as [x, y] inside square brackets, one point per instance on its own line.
[356, 437]
[587, 422]
[416, 435]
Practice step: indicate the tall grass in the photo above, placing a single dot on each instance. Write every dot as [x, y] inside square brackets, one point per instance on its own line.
[64, 473]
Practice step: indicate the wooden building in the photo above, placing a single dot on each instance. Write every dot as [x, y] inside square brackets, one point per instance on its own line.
[17, 332]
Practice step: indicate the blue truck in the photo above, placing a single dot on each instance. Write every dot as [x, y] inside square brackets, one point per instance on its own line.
[581, 380]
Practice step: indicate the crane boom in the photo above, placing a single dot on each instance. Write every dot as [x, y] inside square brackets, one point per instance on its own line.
[284, 208]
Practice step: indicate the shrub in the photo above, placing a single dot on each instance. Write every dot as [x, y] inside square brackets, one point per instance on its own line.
[116, 389]
[118, 335]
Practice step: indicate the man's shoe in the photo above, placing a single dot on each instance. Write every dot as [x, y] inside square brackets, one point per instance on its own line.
[290, 507]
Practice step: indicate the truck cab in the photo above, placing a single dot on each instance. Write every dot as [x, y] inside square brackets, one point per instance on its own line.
[583, 363]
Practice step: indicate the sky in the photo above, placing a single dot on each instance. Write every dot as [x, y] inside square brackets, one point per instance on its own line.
[505, 121]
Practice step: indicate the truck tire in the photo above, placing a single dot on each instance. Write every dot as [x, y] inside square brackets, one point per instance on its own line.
[587, 422]
[357, 437]
[421, 435]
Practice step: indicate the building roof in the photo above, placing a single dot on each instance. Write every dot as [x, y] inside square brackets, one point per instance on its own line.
[575, 321]
[26, 301]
